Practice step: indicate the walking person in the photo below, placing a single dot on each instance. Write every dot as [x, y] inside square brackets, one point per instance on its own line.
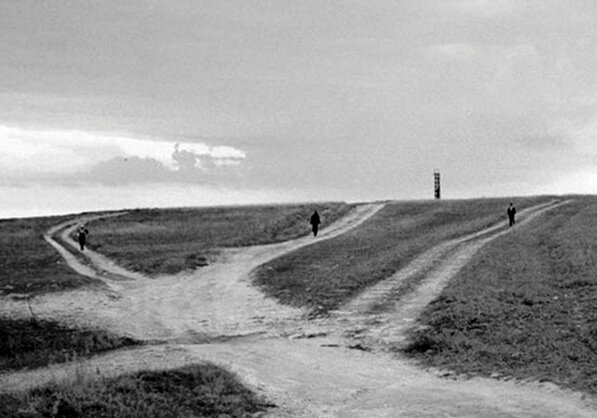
[315, 221]
[82, 235]
[511, 212]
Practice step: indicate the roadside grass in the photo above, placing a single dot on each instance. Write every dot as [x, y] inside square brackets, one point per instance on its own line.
[34, 343]
[524, 307]
[325, 275]
[202, 390]
[168, 241]
[28, 264]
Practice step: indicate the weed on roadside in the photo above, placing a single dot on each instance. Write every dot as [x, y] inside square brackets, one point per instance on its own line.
[32, 343]
[202, 390]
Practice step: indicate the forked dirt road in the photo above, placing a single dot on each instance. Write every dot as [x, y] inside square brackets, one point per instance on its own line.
[213, 302]
[305, 367]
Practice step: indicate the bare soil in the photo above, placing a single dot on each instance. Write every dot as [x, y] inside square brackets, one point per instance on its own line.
[334, 366]
[168, 241]
[523, 307]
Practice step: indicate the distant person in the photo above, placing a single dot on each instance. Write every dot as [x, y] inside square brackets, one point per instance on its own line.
[82, 235]
[315, 221]
[511, 212]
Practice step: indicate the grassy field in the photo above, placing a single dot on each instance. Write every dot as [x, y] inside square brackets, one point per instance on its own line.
[194, 391]
[167, 241]
[32, 343]
[29, 264]
[524, 307]
[325, 275]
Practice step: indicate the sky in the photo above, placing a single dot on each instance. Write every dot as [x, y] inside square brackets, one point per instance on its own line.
[108, 104]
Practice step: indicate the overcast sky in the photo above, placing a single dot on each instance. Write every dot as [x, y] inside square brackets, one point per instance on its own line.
[111, 103]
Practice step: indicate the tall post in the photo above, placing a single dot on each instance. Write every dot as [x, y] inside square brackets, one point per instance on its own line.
[437, 186]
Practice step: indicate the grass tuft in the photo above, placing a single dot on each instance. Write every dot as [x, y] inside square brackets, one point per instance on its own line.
[323, 276]
[168, 241]
[202, 390]
[32, 343]
[423, 344]
[28, 264]
[524, 306]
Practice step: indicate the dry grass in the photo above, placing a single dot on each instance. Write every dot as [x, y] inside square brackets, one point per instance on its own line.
[162, 241]
[202, 390]
[167, 241]
[325, 275]
[32, 343]
[524, 307]
[28, 264]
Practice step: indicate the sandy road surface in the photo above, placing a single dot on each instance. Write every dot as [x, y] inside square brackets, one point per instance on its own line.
[308, 380]
[436, 266]
[214, 301]
[306, 377]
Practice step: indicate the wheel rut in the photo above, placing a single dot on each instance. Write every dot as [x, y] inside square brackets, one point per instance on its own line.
[305, 367]
[431, 270]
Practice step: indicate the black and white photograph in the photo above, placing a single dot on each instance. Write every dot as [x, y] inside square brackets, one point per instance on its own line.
[298, 208]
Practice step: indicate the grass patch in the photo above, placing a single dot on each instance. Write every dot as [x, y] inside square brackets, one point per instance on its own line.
[31, 343]
[201, 390]
[28, 263]
[167, 241]
[325, 275]
[524, 306]
[409, 284]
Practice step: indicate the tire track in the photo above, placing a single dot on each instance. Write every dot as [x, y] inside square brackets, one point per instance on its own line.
[211, 302]
[310, 381]
[319, 377]
[435, 268]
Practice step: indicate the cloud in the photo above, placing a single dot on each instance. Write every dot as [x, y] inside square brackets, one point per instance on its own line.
[185, 160]
[30, 155]
[583, 138]
[579, 181]
[457, 50]
[40, 200]
[119, 171]
[191, 169]
[485, 8]
[500, 57]
[578, 136]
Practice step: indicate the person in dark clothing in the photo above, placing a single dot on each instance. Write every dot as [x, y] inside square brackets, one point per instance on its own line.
[315, 221]
[82, 235]
[511, 212]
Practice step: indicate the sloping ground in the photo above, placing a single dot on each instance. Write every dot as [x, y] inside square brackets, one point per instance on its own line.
[211, 302]
[27, 264]
[434, 268]
[325, 276]
[307, 380]
[167, 241]
[525, 306]
[310, 377]
[35, 343]
[197, 390]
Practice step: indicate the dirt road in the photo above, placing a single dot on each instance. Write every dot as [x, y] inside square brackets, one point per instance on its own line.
[305, 367]
[210, 303]
[435, 267]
